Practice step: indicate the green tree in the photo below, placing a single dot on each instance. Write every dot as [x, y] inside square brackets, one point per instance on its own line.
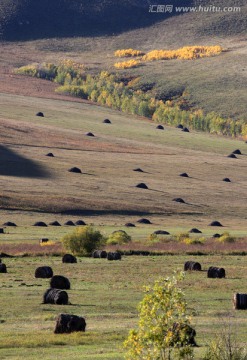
[83, 240]
[163, 329]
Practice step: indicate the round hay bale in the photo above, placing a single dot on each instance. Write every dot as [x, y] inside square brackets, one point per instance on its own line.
[50, 154]
[89, 134]
[69, 223]
[110, 256]
[44, 240]
[192, 265]
[75, 170]
[69, 259]
[142, 186]
[138, 170]
[55, 296]
[80, 223]
[55, 223]
[66, 324]
[107, 121]
[237, 152]
[232, 156]
[184, 175]
[216, 272]
[160, 127]
[99, 254]
[3, 268]
[215, 223]
[114, 256]
[226, 180]
[129, 224]
[185, 129]
[216, 236]
[43, 272]
[195, 231]
[60, 282]
[179, 200]
[161, 232]
[180, 126]
[144, 221]
[41, 114]
[40, 223]
[9, 223]
[240, 301]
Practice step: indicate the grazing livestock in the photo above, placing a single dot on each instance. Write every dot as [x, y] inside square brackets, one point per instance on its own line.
[67, 323]
[55, 296]
[114, 256]
[240, 301]
[144, 221]
[43, 240]
[40, 114]
[60, 282]
[142, 186]
[99, 254]
[69, 259]
[3, 268]
[44, 272]
[75, 170]
[192, 265]
[216, 272]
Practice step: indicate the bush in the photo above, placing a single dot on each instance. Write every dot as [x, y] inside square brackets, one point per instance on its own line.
[127, 64]
[118, 237]
[226, 237]
[128, 53]
[82, 241]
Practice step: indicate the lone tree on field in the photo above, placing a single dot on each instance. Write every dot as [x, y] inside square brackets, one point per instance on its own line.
[164, 331]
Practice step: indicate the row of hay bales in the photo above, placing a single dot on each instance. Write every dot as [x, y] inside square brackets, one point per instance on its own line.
[56, 294]
[239, 300]
[102, 254]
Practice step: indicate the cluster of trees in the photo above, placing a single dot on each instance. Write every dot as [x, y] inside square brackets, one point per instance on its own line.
[114, 91]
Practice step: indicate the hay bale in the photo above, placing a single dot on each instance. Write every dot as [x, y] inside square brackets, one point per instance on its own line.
[237, 151]
[1, 231]
[144, 221]
[69, 259]
[75, 170]
[185, 129]
[215, 223]
[43, 240]
[3, 268]
[180, 126]
[138, 170]
[114, 256]
[216, 272]
[232, 156]
[99, 254]
[55, 296]
[66, 324]
[216, 236]
[160, 127]
[179, 200]
[55, 223]
[184, 175]
[195, 231]
[240, 301]
[50, 154]
[129, 224]
[43, 272]
[80, 223]
[89, 134]
[9, 223]
[106, 121]
[41, 114]
[69, 223]
[142, 186]
[226, 180]
[192, 265]
[40, 223]
[161, 232]
[59, 282]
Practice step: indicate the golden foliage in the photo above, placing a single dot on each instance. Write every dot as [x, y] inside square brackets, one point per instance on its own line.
[128, 53]
[127, 64]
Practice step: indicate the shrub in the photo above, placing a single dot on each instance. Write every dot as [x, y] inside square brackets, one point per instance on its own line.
[127, 64]
[226, 237]
[83, 240]
[128, 53]
[118, 237]
[73, 90]
[194, 241]
[163, 318]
